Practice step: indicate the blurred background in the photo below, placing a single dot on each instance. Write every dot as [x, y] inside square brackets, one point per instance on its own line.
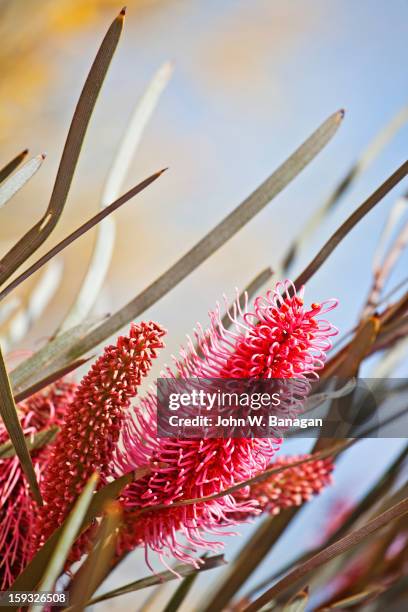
[251, 81]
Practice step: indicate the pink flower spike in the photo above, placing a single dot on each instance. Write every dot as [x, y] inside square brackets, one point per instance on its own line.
[292, 487]
[279, 338]
[92, 423]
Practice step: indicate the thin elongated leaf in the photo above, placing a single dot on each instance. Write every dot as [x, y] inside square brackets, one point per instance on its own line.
[394, 217]
[350, 223]
[8, 412]
[256, 549]
[180, 593]
[80, 231]
[10, 187]
[358, 348]
[216, 238]
[34, 367]
[39, 440]
[329, 553]
[390, 359]
[370, 153]
[12, 165]
[248, 558]
[379, 491]
[35, 237]
[182, 570]
[105, 238]
[353, 600]
[99, 560]
[66, 539]
[48, 380]
[31, 575]
[298, 603]
[382, 271]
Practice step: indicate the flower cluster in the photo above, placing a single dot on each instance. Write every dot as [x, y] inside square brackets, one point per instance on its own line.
[92, 423]
[17, 509]
[290, 487]
[279, 338]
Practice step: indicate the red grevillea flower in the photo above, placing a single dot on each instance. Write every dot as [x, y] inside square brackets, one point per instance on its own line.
[279, 338]
[291, 487]
[92, 423]
[17, 509]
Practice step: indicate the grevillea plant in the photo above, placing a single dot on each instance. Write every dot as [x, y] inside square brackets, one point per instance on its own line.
[84, 475]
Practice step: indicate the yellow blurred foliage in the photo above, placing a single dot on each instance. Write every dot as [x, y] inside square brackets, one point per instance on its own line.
[26, 29]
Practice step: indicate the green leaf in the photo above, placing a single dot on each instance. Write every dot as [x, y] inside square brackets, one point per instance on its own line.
[66, 539]
[10, 187]
[39, 440]
[144, 583]
[215, 239]
[350, 223]
[30, 576]
[99, 560]
[80, 231]
[12, 423]
[12, 165]
[35, 237]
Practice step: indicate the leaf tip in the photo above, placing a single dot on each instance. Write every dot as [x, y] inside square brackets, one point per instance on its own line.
[340, 114]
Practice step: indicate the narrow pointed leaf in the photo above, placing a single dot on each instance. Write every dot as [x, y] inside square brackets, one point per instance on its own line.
[298, 603]
[8, 412]
[105, 239]
[99, 560]
[144, 583]
[31, 575]
[80, 231]
[39, 440]
[180, 593]
[329, 553]
[350, 223]
[66, 539]
[12, 185]
[370, 153]
[257, 547]
[35, 237]
[12, 165]
[216, 238]
[42, 383]
[33, 368]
